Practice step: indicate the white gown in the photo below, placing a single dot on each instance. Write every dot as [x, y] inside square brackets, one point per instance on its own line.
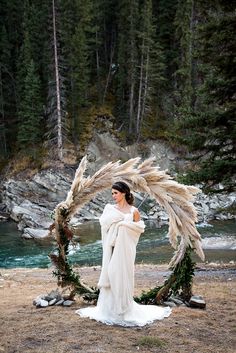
[115, 304]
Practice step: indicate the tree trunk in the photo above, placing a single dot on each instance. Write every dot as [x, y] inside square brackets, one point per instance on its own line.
[109, 73]
[140, 92]
[193, 58]
[132, 78]
[59, 118]
[2, 121]
[98, 70]
[144, 92]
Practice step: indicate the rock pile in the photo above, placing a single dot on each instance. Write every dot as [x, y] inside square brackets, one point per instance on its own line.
[53, 298]
[209, 207]
[196, 301]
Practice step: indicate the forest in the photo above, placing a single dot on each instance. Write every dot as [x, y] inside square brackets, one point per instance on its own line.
[161, 69]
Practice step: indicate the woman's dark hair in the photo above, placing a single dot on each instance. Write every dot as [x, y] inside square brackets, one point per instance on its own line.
[124, 188]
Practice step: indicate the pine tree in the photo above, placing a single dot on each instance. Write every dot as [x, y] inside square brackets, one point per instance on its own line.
[37, 26]
[83, 51]
[56, 131]
[29, 92]
[151, 69]
[30, 112]
[105, 18]
[11, 34]
[211, 130]
[127, 66]
[164, 12]
[7, 91]
[68, 22]
[184, 22]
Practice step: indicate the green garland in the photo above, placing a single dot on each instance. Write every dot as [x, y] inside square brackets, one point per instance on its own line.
[179, 283]
[66, 277]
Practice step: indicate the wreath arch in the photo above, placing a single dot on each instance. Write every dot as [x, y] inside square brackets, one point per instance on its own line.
[175, 198]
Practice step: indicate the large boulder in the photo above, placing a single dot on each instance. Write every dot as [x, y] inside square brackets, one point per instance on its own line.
[30, 233]
[31, 202]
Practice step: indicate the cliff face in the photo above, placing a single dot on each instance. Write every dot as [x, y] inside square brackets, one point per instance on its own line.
[31, 201]
[104, 148]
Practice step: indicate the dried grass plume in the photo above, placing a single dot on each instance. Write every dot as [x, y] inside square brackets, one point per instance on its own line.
[177, 199]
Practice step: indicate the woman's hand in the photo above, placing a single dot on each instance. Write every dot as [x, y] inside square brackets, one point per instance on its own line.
[136, 216]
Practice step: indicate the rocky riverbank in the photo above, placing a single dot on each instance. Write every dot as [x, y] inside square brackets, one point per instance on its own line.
[31, 203]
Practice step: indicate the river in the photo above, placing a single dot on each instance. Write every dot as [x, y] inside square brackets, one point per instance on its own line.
[219, 243]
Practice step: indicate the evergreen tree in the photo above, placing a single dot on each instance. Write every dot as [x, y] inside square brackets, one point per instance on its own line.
[7, 86]
[10, 39]
[127, 66]
[11, 15]
[30, 112]
[56, 131]
[164, 12]
[151, 71]
[36, 24]
[83, 50]
[29, 92]
[68, 22]
[77, 38]
[211, 130]
[106, 48]
[184, 22]
[149, 62]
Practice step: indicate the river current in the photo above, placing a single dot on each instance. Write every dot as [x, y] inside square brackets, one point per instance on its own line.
[219, 244]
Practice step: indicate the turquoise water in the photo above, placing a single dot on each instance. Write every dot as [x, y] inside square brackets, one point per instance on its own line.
[219, 242]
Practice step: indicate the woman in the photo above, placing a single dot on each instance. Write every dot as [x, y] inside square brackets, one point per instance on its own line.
[121, 228]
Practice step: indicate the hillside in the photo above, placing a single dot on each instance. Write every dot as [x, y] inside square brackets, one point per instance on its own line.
[73, 64]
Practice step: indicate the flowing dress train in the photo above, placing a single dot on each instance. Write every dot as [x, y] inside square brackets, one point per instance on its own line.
[115, 306]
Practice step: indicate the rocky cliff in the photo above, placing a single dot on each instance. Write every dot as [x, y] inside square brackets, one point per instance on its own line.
[31, 202]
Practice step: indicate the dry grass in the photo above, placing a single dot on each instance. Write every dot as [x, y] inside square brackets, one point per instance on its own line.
[25, 329]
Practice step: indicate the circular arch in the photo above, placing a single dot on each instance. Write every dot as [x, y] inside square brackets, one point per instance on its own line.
[177, 199]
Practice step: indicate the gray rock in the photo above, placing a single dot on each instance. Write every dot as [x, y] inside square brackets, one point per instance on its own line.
[37, 300]
[30, 202]
[196, 301]
[52, 302]
[31, 215]
[176, 300]
[54, 294]
[60, 302]
[3, 208]
[41, 303]
[75, 221]
[68, 302]
[170, 304]
[35, 233]
[4, 216]
[214, 205]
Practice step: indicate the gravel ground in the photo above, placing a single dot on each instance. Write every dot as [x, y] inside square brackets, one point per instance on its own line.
[25, 329]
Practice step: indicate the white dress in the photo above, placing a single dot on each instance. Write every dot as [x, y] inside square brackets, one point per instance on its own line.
[115, 304]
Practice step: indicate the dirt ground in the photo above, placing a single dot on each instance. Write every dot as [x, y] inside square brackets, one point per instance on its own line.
[25, 329]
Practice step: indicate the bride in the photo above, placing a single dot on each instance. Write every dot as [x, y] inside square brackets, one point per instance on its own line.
[121, 228]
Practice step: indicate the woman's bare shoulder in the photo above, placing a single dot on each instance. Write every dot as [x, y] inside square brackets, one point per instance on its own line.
[136, 214]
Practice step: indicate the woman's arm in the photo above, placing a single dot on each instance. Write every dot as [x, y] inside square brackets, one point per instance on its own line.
[136, 215]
